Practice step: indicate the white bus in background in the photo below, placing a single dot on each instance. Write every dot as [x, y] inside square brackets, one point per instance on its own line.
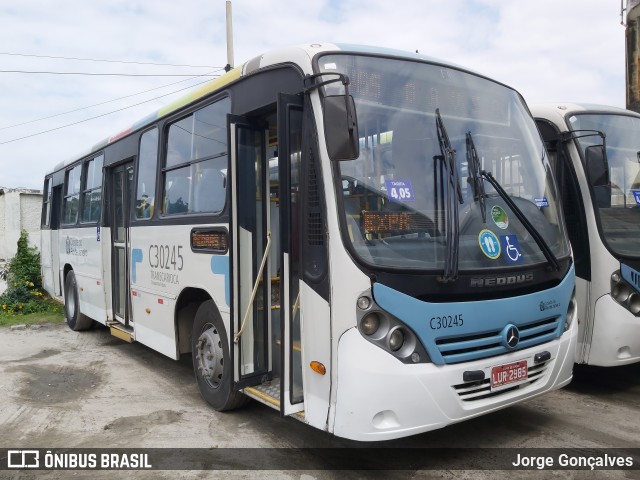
[595, 152]
[367, 240]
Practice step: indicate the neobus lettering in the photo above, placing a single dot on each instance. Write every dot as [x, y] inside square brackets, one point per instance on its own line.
[167, 257]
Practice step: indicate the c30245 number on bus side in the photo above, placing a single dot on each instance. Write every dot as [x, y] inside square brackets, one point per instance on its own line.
[167, 257]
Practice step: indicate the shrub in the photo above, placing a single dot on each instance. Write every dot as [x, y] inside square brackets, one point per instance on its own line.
[24, 284]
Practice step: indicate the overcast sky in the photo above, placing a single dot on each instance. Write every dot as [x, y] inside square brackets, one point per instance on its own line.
[548, 50]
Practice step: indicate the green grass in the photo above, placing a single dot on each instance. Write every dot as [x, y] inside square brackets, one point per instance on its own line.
[39, 318]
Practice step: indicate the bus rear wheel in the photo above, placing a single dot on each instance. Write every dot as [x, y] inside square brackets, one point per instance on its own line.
[76, 320]
[211, 360]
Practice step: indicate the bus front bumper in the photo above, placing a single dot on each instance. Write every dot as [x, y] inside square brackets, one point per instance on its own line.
[380, 398]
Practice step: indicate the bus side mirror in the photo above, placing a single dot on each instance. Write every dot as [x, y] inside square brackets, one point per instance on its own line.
[341, 127]
[597, 166]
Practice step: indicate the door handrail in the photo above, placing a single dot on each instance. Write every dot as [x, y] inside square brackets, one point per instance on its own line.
[237, 336]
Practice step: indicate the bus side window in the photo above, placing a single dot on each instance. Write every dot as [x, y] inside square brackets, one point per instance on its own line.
[71, 200]
[46, 203]
[194, 175]
[92, 190]
[147, 167]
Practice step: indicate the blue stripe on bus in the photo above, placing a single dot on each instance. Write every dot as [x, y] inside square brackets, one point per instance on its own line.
[539, 316]
[220, 266]
[136, 257]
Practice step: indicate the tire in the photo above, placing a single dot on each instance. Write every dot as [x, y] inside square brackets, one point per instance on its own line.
[211, 360]
[76, 320]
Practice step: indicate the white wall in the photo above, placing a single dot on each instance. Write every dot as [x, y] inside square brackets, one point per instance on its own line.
[19, 209]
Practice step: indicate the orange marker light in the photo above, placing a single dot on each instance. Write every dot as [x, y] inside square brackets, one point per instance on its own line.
[318, 367]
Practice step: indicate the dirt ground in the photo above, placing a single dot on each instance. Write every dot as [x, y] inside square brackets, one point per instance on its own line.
[61, 389]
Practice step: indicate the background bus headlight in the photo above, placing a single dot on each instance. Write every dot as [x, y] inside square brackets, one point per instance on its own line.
[620, 292]
[623, 293]
[634, 303]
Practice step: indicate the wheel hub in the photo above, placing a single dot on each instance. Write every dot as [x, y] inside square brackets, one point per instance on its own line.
[210, 357]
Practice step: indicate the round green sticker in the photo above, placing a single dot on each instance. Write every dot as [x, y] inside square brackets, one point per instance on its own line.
[499, 217]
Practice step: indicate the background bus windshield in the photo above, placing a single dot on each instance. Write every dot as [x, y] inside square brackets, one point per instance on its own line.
[394, 196]
[616, 204]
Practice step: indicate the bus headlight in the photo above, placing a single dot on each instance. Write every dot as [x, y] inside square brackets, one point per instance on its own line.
[387, 331]
[370, 324]
[625, 294]
[633, 303]
[396, 339]
[620, 292]
[364, 303]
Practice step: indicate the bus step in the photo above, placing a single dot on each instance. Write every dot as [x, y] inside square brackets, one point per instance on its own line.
[267, 393]
[120, 331]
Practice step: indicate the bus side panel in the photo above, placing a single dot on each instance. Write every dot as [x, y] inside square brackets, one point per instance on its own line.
[81, 248]
[162, 267]
[316, 338]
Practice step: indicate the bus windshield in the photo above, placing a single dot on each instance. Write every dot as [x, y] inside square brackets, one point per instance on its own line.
[617, 205]
[403, 205]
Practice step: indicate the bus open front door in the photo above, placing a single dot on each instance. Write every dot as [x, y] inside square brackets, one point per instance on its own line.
[265, 340]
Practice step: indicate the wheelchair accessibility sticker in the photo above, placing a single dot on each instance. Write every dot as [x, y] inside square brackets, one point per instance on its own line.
[511, 247]
[636, 196]
[489, 244]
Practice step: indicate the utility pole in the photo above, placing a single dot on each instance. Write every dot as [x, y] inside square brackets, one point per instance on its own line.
[229, 38]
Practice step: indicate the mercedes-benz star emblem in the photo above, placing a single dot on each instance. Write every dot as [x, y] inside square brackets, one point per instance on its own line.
[512, 336]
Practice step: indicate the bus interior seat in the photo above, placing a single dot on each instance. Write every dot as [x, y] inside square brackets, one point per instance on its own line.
[178, 195]
[210, 191]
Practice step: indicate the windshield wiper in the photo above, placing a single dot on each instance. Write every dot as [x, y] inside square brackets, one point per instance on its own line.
[453, 195]
[473, 164]
[551, 258]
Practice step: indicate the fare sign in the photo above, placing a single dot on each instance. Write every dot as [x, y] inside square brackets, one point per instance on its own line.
[509, 373]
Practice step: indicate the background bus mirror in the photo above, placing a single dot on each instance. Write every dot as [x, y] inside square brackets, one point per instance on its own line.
[597, 166]
[341, 127]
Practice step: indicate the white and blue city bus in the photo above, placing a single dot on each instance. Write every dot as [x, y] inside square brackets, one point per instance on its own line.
[594, 150]
[365, 239]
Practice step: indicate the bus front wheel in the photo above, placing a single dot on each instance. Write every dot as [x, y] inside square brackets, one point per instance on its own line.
[76, 320]
[211, 360]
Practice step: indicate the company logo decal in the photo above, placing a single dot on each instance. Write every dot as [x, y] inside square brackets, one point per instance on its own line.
[500, 217]
[549, 305]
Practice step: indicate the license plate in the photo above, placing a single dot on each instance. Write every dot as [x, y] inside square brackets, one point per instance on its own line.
[509, 373]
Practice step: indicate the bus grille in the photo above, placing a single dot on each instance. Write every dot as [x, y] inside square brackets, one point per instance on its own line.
[489, 344]
[473, 391]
